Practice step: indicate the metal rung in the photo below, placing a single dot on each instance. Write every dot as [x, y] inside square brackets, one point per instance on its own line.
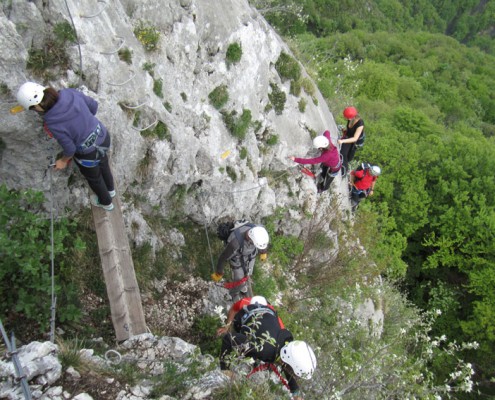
[123, 83]
[133, 107]
[117, 50]
[98, 13]
[148, 127]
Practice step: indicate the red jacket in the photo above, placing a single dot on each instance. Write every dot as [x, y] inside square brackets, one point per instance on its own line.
[364, 179]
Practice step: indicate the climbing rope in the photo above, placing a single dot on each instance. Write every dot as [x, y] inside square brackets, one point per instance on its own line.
[52, 255]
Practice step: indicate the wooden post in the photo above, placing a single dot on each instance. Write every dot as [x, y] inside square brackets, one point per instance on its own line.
[118, 269]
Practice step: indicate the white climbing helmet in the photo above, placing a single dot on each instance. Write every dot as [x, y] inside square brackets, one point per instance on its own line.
[258, 300]
[259, 236]
[30, 94]
[321, 142]
[300, 356]
[375, 170]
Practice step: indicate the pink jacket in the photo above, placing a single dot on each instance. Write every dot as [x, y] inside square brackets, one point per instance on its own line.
[329, 157]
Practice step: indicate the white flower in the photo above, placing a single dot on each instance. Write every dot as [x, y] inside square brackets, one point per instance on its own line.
[438, 311]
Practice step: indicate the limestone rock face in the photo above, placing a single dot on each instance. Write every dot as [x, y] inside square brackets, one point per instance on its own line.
[189, 62]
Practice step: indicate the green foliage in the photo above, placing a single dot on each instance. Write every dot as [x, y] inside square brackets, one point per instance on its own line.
[25, 280]
[272, 140]
[237, 126]
[183, 96]
[301, 105]
[148, 35]
[205, 327]
[277, 98]
[64, 33]
[149, 68]
[231, 173]
[243, 153]
[234, 53]
[160, 131]
[125, 55]
[287, 67]
[219, 96]
[158, 87]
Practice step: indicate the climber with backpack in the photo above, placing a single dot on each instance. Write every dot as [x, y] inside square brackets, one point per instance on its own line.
[329, 159]
[244, 241]
[258, 332]
[352, 136]
[69, 117]
[362, 182]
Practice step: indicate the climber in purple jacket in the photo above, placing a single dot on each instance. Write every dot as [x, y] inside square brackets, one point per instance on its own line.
[329, 159]
[69, 117]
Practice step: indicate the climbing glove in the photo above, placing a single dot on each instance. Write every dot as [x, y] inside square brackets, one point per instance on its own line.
[216, 276]
[263, 256]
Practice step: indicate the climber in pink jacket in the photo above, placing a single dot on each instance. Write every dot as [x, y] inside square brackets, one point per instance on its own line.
[329, 159]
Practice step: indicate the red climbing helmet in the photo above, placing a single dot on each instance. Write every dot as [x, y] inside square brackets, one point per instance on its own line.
[350, 112]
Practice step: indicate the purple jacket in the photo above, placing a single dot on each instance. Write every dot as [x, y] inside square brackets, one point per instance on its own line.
[329, 157]
[72, 119]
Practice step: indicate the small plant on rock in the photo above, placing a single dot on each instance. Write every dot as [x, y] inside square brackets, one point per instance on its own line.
[287, 67]
[219, 96]
[148, 36]
[277, 98]
[234, 53]
[125, 55]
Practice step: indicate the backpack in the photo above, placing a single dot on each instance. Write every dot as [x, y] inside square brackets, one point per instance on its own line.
[226, 228]
[365, 166]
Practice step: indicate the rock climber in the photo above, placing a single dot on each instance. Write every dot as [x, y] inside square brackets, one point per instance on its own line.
[243, 245]
[69, 117]
[351, 134]
[362, 182]
[329, 159]
[256, 331]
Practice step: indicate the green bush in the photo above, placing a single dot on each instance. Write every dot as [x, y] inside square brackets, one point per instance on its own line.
[277, 98]
[64, 32]
[25, 279]
[160, 131]
[125, 55]
[287, 67]
[272, 140]
[243, 153]
[238, 126]
[148, 36]
[219, 96]
[158, 87]
[234, 53]
[301, 105]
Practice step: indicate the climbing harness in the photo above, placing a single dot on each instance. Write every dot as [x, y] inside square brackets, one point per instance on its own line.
[90, 140]
[273, 367]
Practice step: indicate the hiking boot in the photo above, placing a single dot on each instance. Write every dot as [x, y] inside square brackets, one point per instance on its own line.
[112, 193]
[96, 202]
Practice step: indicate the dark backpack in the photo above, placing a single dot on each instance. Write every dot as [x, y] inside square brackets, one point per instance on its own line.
[226, 228]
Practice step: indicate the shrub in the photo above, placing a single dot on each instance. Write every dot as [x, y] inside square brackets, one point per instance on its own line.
[272, 140]
[287, 67]
[231, 173]
[64, 32]
[234, 53]
[158, 87]
[160, 131]
[243, 153]
[125, 55]
[219, 96]
[25, 280]
[302, 105]
[277, 98]
[147, 35]
[238, 126]
[295, 88]
[149, 68]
